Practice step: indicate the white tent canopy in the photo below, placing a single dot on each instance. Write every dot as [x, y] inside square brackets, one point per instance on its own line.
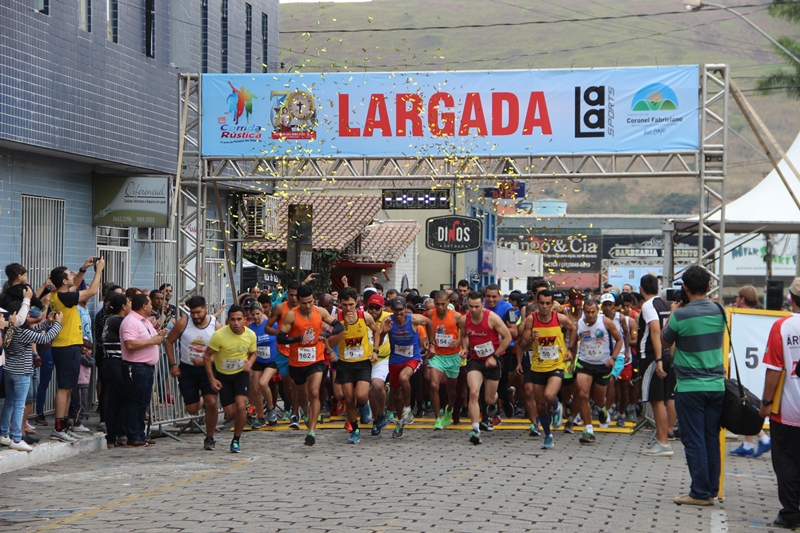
[766, 208]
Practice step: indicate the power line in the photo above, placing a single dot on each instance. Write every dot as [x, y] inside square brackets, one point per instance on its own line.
[503, 24]
[506, 58]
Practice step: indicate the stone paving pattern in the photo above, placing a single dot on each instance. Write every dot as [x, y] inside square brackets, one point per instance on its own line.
[422, 482]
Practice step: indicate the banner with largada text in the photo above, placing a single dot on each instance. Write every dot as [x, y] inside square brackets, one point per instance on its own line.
[466, 113]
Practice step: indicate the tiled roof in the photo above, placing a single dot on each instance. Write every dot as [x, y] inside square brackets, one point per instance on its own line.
[337, 220]
[384, 241]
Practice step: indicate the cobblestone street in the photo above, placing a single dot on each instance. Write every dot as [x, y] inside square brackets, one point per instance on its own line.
[422, 482]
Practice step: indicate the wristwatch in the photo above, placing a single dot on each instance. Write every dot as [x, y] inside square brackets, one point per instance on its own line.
[766, 403]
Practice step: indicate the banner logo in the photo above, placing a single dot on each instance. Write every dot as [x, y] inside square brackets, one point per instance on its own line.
[655, 97]
[293, 115]
[590, 111]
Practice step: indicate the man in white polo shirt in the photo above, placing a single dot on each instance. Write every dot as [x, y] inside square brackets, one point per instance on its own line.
[140, 351]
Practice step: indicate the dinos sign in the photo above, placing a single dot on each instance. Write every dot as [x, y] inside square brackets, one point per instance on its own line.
[453, 234]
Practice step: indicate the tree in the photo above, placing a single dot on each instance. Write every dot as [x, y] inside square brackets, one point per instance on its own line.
[784, 79]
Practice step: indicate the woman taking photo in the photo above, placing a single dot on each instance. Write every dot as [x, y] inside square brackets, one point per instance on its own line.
[18, 371]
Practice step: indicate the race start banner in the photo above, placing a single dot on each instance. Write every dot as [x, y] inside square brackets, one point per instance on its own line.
[464, 113]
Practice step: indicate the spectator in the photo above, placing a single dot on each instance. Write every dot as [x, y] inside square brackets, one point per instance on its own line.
[80, 396]
[17, 375]
[130, 292]
[109, 289]
[17, 289]
[113, 397]
[67, 344]
[169, 309]
[697, 330]
[781, 359]
[140, 353]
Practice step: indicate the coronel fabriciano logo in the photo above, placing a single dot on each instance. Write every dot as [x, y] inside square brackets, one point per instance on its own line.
[655, 97]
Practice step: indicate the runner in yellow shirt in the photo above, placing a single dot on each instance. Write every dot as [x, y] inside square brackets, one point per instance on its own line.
[544, 332]
[228, 358]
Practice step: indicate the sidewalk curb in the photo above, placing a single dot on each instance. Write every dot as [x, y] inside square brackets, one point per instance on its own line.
[49, 451]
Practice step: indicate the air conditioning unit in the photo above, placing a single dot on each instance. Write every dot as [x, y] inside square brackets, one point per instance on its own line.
[260, 217]
[145, 234]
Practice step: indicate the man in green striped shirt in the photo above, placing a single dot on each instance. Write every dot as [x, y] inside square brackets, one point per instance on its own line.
[697, 330]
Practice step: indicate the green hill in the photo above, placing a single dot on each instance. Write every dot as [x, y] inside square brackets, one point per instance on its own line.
[495, 34]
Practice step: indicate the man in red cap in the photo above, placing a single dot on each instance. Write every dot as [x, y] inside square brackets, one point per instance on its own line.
[380, 369]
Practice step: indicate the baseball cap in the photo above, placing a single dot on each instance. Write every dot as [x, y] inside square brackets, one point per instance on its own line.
[575, 294]
[398, 302]
[608, 297]
[376, 299]
[794, 288]
[419, 307]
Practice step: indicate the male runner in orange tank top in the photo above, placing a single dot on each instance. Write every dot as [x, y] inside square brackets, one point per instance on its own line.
[302, 331]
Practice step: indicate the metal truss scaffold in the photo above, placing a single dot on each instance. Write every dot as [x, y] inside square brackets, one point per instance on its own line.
[196, 173]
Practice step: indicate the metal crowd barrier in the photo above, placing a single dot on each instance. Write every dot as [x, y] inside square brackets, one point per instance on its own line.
[168, 415]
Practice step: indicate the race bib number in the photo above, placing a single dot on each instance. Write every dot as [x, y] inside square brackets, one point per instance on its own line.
[197, 349]
[405, 351]
[443, 340]
[353, 353]
[232, 364]
[484, 350]
[548, 353]
[263, 352]
[307, 355]
[595, 351]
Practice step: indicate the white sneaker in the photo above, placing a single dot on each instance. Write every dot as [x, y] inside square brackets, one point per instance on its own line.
[659, 450]
[81, 429]
[5, 440]
[21, 446]
[74, 435]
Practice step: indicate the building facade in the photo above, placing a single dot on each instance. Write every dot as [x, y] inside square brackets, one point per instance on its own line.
[89, 91]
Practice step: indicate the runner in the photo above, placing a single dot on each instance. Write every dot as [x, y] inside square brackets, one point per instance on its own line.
[544, 330]
[276, 318]
[595, 360]
[611, 306]
[380, 368]
[446, 353]
[624, 386]
[265, 367]
[302, 331]
[506, 311]
[192, 337]
[574, 313]
[405, 357]
[232, 350]
[486, 339]
[356, 356]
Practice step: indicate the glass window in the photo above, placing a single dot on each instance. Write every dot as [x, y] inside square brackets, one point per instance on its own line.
[43, 6]
[204, 36]
[85, 15]
[150, 28]
[248, 38]
[224, 36]
[112, 20]
[264, 42]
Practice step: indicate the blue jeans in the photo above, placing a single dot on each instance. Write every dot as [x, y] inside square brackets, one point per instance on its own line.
[699, 414]
[138, 380]
[45, 375]
[14, 406]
